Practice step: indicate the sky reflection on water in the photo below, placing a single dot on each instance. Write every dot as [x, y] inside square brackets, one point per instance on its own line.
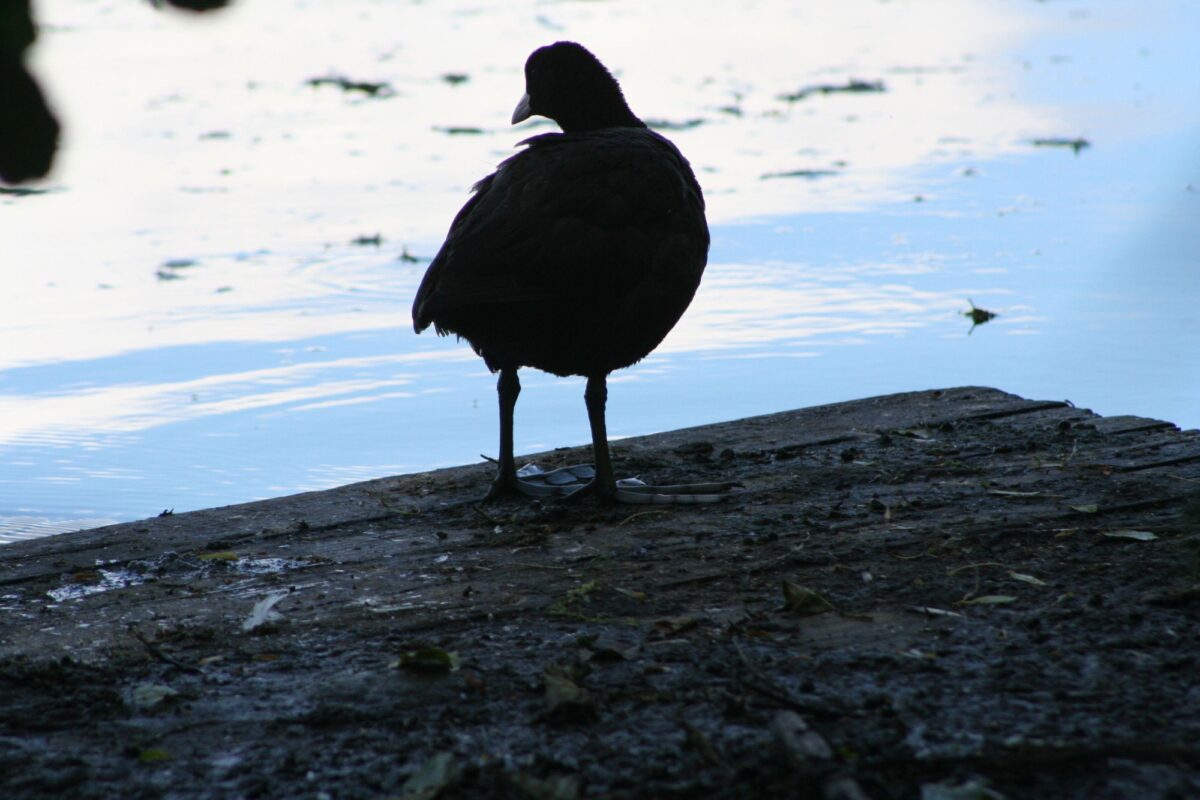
[281, 359]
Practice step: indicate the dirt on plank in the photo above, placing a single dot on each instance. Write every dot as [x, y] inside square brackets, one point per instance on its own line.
[954, 593]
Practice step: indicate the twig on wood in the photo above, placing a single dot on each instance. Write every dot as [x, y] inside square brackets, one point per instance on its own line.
[475, 507]
[765, 686]
[154, 650]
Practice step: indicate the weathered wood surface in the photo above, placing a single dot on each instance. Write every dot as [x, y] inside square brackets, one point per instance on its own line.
[998, 615]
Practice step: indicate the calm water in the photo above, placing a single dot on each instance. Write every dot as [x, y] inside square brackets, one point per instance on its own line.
[189, 322]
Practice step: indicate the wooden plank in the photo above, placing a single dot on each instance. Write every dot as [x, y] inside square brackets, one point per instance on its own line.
[984, 599]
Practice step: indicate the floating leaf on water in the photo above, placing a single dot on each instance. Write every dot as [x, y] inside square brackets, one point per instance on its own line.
[990, 600]
[977, 315]
[369, 88]
[1141, 536]
[1020, 576]
[434, 776]
[854, 85]
[458, 130]
[811, 174]
[1076, 144]
[428, 659]
[1086, 508]
[674, 125]
[802, 601]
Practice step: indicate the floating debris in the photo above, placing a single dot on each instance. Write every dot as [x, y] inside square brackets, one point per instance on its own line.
[978, 316]
[456, 78]
[191, 5]
[370, 89]
[852, 86]
[1076, 145]
[670, 125]
[458, 130]
[810, 174]
[364, 240]
[17, 191]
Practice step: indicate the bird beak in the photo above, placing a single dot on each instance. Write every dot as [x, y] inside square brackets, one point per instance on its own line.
[522, 112]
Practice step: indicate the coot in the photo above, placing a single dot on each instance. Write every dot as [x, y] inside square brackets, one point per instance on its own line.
[576, 256]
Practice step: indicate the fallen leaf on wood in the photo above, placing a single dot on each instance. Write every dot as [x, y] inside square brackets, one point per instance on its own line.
[554, 787]
[428, 659]
[701, 744]
[802, 601]
[1020, 576]
[673, 625]
[565, 698]
[800, 743]
[434, 776]
[990, 600]
[971, 790]
[936, 612]
[1141, 536]
[149, 695]
[153, 755]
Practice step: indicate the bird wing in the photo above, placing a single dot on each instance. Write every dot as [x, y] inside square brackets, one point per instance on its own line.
[573, 215]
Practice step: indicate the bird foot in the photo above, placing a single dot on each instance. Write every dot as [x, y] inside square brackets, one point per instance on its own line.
[580, 479]
[532, 481]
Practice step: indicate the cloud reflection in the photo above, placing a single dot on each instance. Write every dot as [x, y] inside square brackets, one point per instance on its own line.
[126, 408]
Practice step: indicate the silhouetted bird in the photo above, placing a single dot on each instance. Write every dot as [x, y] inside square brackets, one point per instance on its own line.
[576, 256]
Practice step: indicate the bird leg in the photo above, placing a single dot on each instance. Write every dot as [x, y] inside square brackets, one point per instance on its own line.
[583, 479]
[508, 479]
[595, 397]
[508, 388]
[568, 480]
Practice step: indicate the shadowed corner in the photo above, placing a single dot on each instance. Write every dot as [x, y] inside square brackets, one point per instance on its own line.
[29, 130]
